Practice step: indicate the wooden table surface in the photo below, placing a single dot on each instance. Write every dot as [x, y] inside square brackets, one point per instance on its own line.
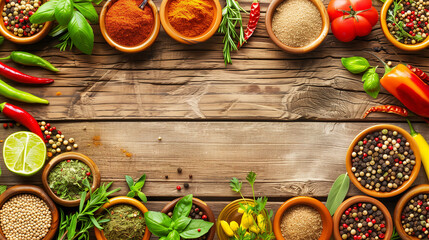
[289, 118]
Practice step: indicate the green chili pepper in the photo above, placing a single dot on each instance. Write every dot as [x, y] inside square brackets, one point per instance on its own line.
[18, 95]
[29, 59]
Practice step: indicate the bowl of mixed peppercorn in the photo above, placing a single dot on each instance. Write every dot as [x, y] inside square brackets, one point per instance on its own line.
[383, 161]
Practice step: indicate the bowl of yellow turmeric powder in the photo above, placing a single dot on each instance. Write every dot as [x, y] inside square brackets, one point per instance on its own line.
[191, 21]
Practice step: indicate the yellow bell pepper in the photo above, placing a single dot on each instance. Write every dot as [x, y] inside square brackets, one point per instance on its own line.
[423, 147]
[226, 228]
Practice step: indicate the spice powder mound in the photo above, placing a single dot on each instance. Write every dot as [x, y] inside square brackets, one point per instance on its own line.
[301, 223]
[297, 23]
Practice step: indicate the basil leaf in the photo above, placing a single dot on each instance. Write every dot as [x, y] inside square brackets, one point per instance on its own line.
[372, 82]
[337, 193]
[129, 181]
[3, 189]
[181, 223]
[87, 10]
[81, 33]
[191, 231]
[142, 196]
[131, 194]
[355, 65]
[45, 13]
[142, 179]
[139, 185]
[183, 207]
[158, 223]
[64, 11]
[173, 235]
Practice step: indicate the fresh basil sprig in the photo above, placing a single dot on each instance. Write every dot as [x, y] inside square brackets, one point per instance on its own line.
[371, 83]
[136, 187]
[180, 225]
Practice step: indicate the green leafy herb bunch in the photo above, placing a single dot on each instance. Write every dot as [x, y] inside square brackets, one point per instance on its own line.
[136, 187]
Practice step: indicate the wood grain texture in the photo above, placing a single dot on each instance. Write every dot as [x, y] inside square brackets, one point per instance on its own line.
[175, 81]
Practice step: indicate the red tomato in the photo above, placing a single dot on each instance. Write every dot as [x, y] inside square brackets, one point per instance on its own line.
[351, 18]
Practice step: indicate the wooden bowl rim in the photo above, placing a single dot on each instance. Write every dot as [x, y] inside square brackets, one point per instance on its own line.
[37, 191]
[297, 50]
[142, 46]
[64, 156]
[422, 188]
[190, 40]
[405, 47]
[362, 199]
[308, 201]
[404, 186]
[169, 207]
[99, 235]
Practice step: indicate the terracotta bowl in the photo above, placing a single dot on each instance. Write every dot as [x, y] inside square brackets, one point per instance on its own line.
[37, 191]
[391, 38]
[99, 235]
[23, 40]
[297, 50]
[190, 40]
[312, 202]
[424, 188]
[70, 155]
[144, 45]
[202, 205]
[230, 213]
[407, 183]
[358, 199]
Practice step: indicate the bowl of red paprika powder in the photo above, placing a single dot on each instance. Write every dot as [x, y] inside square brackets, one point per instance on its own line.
[191, 21]
[127, 27]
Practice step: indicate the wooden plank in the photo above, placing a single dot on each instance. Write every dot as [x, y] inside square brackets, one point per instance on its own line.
[176, 81]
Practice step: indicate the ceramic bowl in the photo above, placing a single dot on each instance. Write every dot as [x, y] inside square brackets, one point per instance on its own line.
[62, 157]
[200, 204]
[99, 235]
[23, 40]
[297, 50]
[308, 201]
[230, 213]
[361, 199]
[144, 45]
[407, 183]
[37, 191]
[424, 188]
[391, 38]
[190, 40]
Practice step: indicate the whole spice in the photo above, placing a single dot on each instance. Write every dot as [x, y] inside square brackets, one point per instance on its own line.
[191, 18]
[422, 75]
[139, 23]
[29, 59]
[415, 217]
[16, 15]
[338, 193]
[56, 142]
[387, 109]
[23, 117]
[125, 223]
[423, 147]
[301, 222]
[255, 13]
[18, 95]
[15, 75]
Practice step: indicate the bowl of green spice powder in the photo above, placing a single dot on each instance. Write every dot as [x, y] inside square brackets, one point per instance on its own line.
[65, 175]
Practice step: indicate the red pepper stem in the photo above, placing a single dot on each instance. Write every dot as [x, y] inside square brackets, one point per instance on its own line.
[2, 106]
[387, 69]
[412, 131]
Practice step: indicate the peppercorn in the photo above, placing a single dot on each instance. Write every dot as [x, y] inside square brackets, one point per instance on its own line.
[5, 126]
[179, 170]
[186, 185]
[166, 176]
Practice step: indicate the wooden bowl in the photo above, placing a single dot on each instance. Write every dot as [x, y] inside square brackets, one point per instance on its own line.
[391, 38]
[230, 213]
[142, 46]
[37, 191]
[407, 183]
[190, 40]
[70, 155]
[297, 50]
[99, 235]
[424, 188]
[311, 202]
[362, 199]
[200, 204]
[23, 40]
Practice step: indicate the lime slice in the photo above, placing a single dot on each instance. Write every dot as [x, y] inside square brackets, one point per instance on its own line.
[24, 153]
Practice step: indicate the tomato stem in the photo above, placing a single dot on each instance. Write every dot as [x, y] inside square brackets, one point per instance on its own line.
[352, 12]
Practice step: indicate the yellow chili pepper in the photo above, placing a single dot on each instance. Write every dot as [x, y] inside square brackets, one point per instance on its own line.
[261, 222]
[233, 225]
[423, 147]
[226, 229]
[254, 229]
[246, 221]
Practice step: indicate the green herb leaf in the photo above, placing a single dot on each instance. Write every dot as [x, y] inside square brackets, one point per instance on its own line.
[235, 185]
[45, 13]
[163, 238]
[395, 235]
[129, 181]
[82, 201]
[181, 223]
[173, 235]
[64, 11]
[3, 189]
[158, 223]
[1, 42]
[87, 10]
[131, 194]
[372, 82]
[191, 231]
[94, 221]
[81, 33]
[355, 65]
[337, 193]
[142, 196]
[183, 207]
[97, 1]
[251, 178]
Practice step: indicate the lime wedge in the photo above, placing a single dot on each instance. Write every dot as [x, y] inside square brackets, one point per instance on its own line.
[24, 153]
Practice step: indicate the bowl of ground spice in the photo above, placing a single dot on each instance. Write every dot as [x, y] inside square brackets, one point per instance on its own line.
[191, 21]
[27, 212]
[362, 217]
[126, 220]
[127, 27]
[383, 161]
[16, 26]
[302, 218]
[297, 26]
[63, 178]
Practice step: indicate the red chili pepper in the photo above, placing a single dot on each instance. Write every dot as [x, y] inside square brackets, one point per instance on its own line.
[388, 109]
[255, 13]
[20, 115]
[422, 75]
[15, 75]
